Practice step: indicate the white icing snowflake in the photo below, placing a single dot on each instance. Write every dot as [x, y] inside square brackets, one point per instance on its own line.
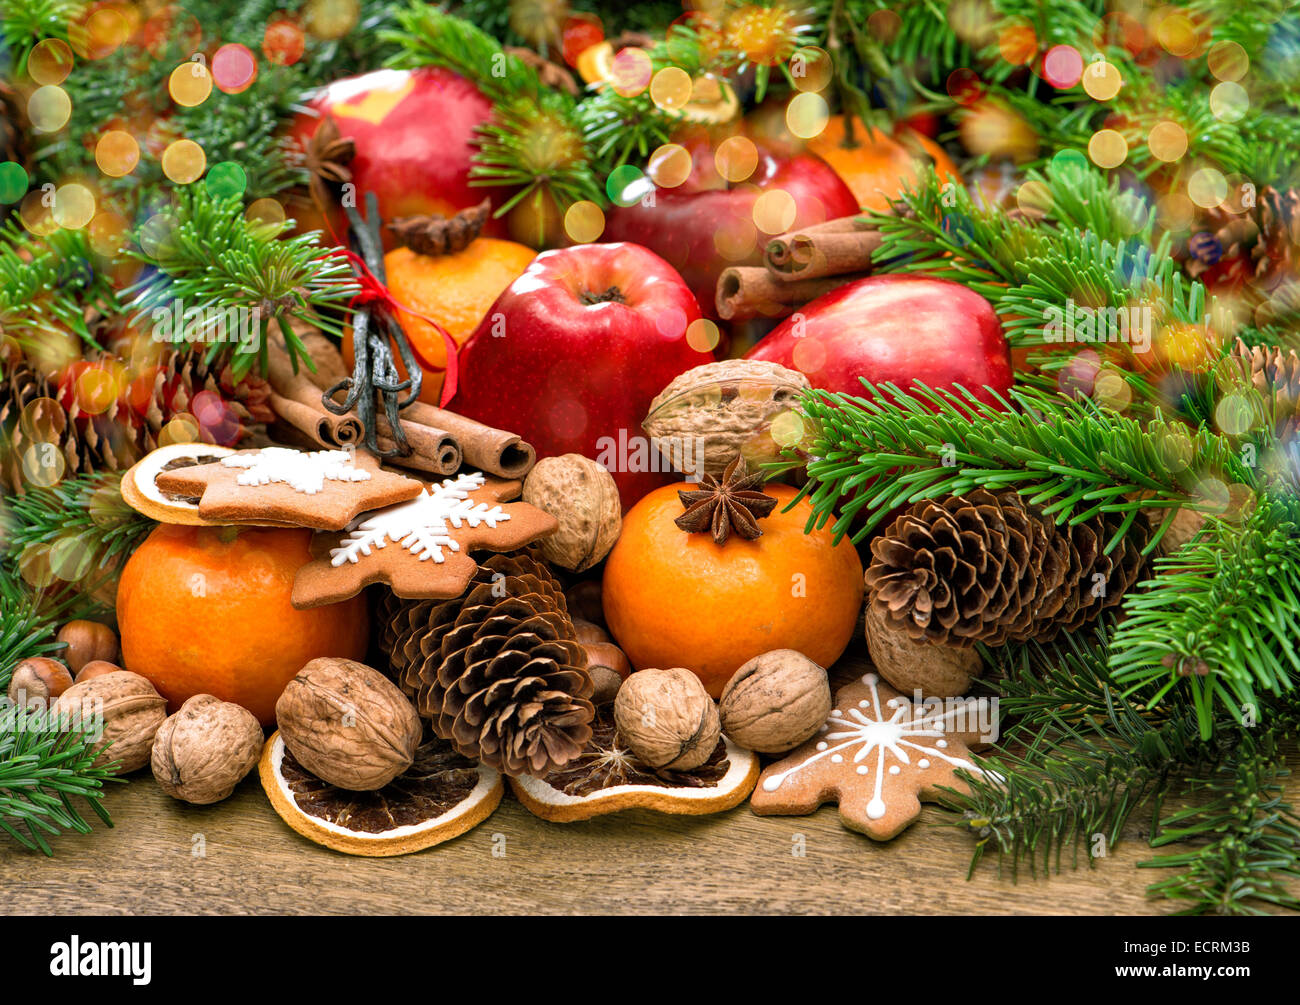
[301, 470]
[422, 525]
[866, 728]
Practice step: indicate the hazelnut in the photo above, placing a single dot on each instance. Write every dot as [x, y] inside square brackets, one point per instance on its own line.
[123, 709]
[589, 632]
[37, 680]
[96, 668]
[348, 724]
[584, 602]
[87, 641]
[608, 667]
[775, 701]
[203, 751]
[667, 719]
[937, 670]
[583, 497]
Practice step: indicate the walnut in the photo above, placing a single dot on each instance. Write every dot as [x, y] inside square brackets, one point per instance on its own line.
[87, 641]
[121, 711]
[775, 701]
[37, 680]
[203, 751]
[348, 724]
[667, 719]
[937, 670]
[711, 413]
[583, 497]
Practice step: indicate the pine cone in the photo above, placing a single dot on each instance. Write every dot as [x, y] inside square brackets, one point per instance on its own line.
[13, 125]
[499, 671]
[116, 438]
[1259, 245]
[985, 567]
[1275, 373]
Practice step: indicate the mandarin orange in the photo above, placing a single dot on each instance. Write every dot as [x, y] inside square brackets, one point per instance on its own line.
[673, 599]
[875, 165]
[205, 610]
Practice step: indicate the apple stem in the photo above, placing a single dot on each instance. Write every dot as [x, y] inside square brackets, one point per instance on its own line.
[612, 295]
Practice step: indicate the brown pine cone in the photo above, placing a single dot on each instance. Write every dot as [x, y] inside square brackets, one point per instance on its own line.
[986, 567]
[13, 125]
[1275, 373]
[1259, 244]
[499, 671]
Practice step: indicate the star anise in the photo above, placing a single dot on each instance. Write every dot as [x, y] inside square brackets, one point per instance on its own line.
[326, 160]
[441, 235]
[737, 502]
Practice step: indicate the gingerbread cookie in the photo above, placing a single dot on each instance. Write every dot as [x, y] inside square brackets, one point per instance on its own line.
[421, 548]
[320, 489]
[878, 757]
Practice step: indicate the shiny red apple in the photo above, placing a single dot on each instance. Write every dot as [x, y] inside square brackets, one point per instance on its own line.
[414, 133]
[899, 329]
[571, 354]
[707, 224]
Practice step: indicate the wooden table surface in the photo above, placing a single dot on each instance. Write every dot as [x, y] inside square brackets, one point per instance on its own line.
[237, 857]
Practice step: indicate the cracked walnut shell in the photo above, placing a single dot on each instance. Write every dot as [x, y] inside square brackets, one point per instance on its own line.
[667, 719]
[582, 495]
[348, 724]
[203, 751]
[775, 701]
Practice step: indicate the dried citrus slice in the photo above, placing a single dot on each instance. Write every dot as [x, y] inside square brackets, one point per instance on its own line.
[607, 778]
[143, 496]
[441, 796]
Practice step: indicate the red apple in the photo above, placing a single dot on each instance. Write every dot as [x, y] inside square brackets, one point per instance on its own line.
[571, 354]
[707, 224]
[414, 134]
[901, 329]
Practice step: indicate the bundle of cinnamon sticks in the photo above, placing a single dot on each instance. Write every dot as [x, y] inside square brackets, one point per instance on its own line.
[440, 440]
[798, 267]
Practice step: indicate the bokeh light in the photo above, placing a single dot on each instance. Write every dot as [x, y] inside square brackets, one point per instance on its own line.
[807, 114]
[184, 161]
[1168, 141]
[774, 211]
[107, 233]
[1228, 61]
[226, 178]
[702, 335]
[670, 89]
[631, 71]
[13, 182]
[669, 165]
[735, 238]
[1207, 187]
[736, 158]
[787, 430]
[1102, 80]
[328, 20]
[234, 68]
[49, 108]
[36, 214]
[106, 30]
[190, 84]
[74, 206]
[1018, 44]
[964, 86]
[1108, 148]
[1175, 212]
[1229, 101]
[283, 42]
[1177, 35]
[182, 428]
[156, 234]
[811, 68]
[1062, 66]
[884, 24]
[117, 153]
[584, 222]
[266, 212]
[627, 185]
[1034, 198]
[50, 61]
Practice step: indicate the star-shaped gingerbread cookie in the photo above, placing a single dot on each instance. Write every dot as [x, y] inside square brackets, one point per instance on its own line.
[421, 548]
[878, 756]
[320, 489]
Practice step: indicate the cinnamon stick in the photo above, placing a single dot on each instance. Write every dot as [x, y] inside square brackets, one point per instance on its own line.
[296, 399]
[494, 451]
[746, 292]
[832, 248]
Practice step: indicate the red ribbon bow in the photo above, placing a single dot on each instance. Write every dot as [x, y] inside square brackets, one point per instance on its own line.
[373, 291]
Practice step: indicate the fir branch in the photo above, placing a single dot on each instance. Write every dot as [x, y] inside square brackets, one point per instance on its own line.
[25, 628]
[23, 23]
[49, 285]
[1221, 619]
[216, 260]
[1073, 459]
[1254, 837]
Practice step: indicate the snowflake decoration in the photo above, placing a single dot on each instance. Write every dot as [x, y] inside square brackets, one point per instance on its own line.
[422, 526]
[878, 755]
[302, 471]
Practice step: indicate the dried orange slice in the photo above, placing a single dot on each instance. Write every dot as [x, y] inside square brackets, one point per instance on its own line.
[441, 796]
[607, 778]
[142, 495]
